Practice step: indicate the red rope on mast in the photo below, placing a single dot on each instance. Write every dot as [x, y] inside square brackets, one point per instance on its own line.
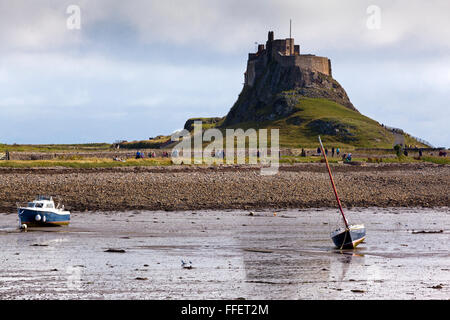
[332, 183]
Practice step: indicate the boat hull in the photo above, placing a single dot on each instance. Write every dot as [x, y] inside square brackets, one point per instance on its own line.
[42, 218]
[349, 238]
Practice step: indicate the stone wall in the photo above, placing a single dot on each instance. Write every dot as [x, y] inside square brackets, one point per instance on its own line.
[314, 63]
[81, 155]
[311, 62]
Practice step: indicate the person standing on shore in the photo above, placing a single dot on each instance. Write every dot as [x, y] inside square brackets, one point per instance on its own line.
[337, 151]
[332, 151]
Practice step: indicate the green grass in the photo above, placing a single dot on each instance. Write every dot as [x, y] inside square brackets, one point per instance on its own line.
[108, 163]
[85, 163]
[437, 160]
[55, 147]
[367, 133]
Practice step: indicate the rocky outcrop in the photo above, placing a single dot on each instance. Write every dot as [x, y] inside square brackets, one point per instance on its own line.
[332, 128]
[189, 124]
[275, 94]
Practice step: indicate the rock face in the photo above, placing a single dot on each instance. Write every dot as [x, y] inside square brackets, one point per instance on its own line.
[276, 91]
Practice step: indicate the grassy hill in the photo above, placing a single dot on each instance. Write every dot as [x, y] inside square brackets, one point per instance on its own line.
[336, 124]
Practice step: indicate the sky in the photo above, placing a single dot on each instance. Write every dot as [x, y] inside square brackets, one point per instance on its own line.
[135, 69]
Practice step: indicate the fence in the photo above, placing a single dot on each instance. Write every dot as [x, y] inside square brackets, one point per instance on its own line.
[400, 131]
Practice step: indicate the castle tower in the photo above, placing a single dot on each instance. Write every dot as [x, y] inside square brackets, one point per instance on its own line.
[286, 53]
[269, 45]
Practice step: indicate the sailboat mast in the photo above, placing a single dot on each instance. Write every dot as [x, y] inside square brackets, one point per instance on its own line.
[332, 183]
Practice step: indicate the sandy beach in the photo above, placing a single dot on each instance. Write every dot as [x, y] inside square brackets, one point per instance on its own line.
[234, 255]
[226, 187]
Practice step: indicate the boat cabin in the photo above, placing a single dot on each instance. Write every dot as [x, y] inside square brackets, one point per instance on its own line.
[42, 202]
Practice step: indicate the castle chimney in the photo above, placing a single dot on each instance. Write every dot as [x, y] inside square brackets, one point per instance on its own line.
[260, 48]
[290, 29]
[269, 45]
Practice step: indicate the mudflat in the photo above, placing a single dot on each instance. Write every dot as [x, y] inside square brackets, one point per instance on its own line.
[229, 186]
[234, 255]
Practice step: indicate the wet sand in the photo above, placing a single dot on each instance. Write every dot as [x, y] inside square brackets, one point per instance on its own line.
[230, 186]
[234, 255]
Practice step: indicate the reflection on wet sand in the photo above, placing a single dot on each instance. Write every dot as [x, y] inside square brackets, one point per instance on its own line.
[234, 255]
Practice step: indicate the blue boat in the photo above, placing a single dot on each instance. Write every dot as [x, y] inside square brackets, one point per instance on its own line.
[42, 212]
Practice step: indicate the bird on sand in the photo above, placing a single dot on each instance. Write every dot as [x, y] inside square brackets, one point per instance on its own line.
[186, 265]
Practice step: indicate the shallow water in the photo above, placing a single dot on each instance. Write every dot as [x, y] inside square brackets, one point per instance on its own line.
[234, 255]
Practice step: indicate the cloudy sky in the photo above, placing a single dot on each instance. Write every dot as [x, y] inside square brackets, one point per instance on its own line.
[136, 68]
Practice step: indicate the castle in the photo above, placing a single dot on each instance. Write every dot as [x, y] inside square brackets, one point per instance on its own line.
[286, 53]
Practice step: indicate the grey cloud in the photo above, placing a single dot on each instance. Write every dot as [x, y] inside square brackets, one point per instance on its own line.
[187, 58]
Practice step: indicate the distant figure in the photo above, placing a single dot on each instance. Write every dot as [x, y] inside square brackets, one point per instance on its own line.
[326, 151]
[420, 152]
[337, 151]
[332, 151]
[138, 155]
[257, 154]
[318, 150]
[303, 154]
[405, 152]
[349, 157]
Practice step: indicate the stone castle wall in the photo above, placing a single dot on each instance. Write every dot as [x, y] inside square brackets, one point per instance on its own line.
[286, 53]
[306, 61]
[314, 63]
